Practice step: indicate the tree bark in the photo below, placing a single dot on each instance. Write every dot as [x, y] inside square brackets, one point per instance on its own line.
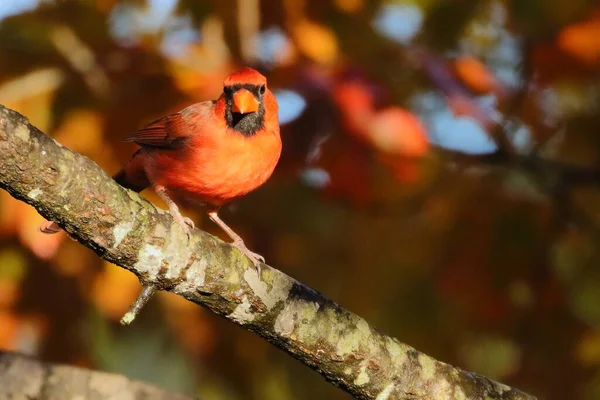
[22, 377]
[127, 230]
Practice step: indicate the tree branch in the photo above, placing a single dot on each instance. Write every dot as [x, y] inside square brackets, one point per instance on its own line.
[543, 170]
[22, 377]
[129, 231]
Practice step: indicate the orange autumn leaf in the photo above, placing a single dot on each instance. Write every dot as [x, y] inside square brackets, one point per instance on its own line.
[68, 261]
[92, 143]
[10, 291]
[350, 6]
[176, 304]
[391, 131]
[194, 331]
[76, 122]
[189, 323]
[196, 334]
[114, 290]
[355, 104]
[474, 75]
[315, 41]
[8, 215]
[397, 131]
[582, 41]
[8, 330]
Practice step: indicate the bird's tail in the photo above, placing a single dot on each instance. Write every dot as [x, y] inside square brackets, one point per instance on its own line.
[132, 176]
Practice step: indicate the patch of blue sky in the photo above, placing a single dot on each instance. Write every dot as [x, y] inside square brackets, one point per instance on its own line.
[268, 44]
[291, 105]
[315, 177]
[15, 7]
[399, 22]
[450, 132]
[130, 21]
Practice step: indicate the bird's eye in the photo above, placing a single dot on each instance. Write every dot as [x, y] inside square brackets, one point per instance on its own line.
[227, 89]
[262, 89]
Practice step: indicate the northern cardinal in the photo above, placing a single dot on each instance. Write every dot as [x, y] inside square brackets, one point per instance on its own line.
[208, 153]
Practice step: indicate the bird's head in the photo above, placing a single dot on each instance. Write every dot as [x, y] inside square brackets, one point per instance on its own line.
[247, 99]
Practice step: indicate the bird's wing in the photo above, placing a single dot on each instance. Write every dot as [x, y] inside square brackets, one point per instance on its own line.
[171, 131]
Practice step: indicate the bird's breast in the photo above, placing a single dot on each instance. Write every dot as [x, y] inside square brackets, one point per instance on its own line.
[216, 170]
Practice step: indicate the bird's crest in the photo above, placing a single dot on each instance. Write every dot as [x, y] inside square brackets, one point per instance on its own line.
[244, 76]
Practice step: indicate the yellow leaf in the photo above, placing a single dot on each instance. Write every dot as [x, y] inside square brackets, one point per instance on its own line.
[81, 131]
[32, 95]
[315, 41]
[114, 290]
[588, 349]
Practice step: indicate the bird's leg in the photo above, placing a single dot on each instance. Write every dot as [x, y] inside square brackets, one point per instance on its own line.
[237, 240]
[186, 223]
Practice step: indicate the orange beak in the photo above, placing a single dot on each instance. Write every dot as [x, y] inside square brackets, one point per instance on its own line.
[244, 102]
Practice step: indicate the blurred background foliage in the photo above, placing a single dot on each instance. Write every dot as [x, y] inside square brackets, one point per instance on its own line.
[439, 177]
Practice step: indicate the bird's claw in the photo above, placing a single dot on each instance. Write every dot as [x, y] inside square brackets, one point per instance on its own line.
[190, 224]
[186, 224]
[256, 258]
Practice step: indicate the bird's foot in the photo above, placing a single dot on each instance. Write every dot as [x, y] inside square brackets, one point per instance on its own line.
[186, 223]
[256, 258]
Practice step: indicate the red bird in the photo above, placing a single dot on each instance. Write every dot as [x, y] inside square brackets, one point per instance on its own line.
[208, 153]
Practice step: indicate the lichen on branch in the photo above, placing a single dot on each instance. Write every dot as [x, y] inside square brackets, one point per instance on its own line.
[127, 230]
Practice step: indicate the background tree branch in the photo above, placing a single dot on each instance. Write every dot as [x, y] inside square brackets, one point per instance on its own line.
[127, 230]
[22, 377]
